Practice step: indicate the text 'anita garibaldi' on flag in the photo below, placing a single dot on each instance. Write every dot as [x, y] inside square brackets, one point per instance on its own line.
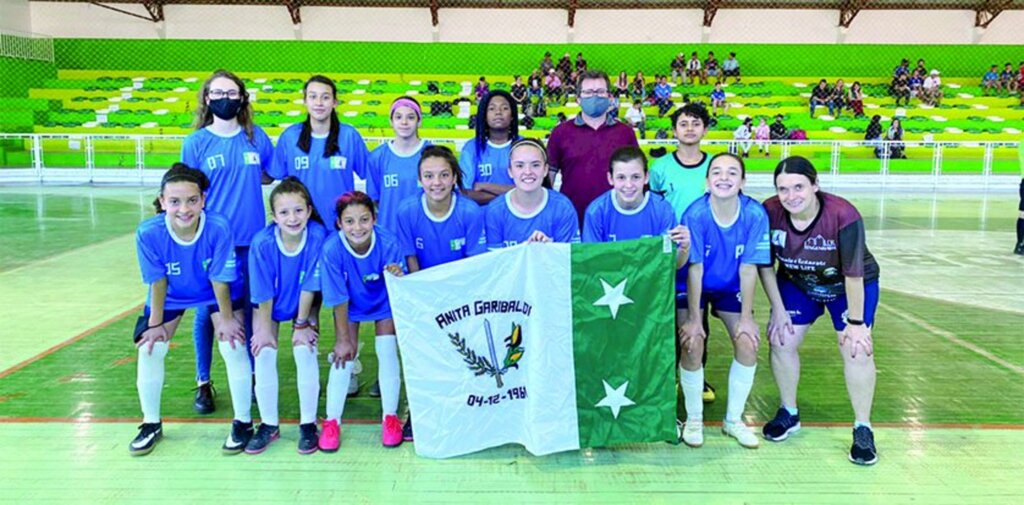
[552, 346]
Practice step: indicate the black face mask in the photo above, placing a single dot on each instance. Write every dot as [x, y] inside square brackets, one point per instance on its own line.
[225, 108]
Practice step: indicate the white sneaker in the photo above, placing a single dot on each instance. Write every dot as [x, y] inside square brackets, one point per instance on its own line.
[693, 433]
[741, 433]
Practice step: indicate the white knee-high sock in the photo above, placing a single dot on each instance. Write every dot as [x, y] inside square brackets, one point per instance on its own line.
[149, 380]
[337, 389]
[692, 384]
[239, 379]
[267, 385]
[388, 373]
[741, 379]
[307, 370]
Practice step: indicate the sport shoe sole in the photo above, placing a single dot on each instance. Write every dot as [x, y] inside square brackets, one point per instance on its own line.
[264, 448]
[792, 429]
[745, 446]
[862, 462]
[310, 451]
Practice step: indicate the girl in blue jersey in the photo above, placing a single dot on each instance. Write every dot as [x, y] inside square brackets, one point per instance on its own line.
[531, 212]
[628, 211]
[321, 151]
[353, 265]
[392, 174]
[233, 153]
[728, 240]
[187, 259]
[484, 160]
[284, 280]
[439, 226]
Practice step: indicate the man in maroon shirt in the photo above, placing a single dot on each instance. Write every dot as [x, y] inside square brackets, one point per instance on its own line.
[582, 148]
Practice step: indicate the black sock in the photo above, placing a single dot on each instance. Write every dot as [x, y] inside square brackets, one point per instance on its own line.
[1020, 230]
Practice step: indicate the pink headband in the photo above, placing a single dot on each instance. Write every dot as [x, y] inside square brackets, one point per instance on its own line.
[405, 102]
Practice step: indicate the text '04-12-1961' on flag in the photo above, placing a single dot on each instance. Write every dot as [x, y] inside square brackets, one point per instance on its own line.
[552, 346]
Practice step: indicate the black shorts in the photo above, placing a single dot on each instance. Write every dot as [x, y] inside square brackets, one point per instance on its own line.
[1020, 206]
[142, 323]
[731, 73]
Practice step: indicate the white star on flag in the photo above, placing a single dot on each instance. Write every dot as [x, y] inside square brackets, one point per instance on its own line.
[615, 398]
[613, 297]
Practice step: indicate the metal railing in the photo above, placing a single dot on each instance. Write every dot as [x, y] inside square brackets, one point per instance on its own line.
[26, 46]
[140, 159]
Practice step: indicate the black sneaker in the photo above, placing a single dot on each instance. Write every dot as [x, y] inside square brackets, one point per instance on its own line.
[407, 430]
[149, 435]
[309, 440]
[374, 391]
[708, 396]
[1019, 249]
[203, 404]
[863, 452]
[262, 439]
[780, 428]
[240, 435]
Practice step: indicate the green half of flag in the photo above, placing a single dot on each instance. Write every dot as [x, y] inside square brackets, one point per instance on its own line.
[623, 305]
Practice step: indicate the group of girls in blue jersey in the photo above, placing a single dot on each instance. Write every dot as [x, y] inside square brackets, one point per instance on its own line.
[210, 248]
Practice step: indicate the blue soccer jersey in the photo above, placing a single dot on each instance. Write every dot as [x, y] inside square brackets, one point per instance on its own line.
[723, 247]
[235, 167]
[189, 267]
[327, 178]
[391, 178]
[506, 227]
[438, 240]
[281, 276]
[490, 166]
[605, 221]
[359, 279]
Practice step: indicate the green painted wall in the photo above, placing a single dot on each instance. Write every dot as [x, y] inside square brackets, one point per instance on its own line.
[444, 58]
[17, 76]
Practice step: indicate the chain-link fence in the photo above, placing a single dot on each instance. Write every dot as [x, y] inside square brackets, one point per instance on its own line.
[659, 55]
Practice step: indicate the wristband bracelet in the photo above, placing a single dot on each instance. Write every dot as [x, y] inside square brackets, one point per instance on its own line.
[855, 322]
[300, 325]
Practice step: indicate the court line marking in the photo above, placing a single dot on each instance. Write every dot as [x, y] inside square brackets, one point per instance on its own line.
[952, 338]
[189, 420]
[72, 340]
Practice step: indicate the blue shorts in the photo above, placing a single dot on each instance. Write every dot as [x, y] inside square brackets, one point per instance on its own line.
[721, 301]
[805, 310]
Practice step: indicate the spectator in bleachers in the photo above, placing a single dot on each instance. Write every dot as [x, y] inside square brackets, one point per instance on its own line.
[482, 88]
[873, 135]
[638, 89]
[564, 66]
[901, 69]
[636, 118]
[741, 138]
[821, 96]
[546, 64]
[856, 99]
[519, 92]
[553, 86]
[895, 134]
[762, 134]
[915, 82]
[718, 100]
[920, 68]
[990, 81]
[900, 89]
[778, 130]
[838, 97]
[535, 89]
[694, 70]
[580, 148]
[569, 86]
[731, 68]
[931, 89]
[622, 84]
[711, 70]
[678, 67]
[1020, 85]
[581, 64]
[662, 95]
[1008, 78]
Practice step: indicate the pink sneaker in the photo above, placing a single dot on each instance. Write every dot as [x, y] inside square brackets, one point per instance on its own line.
[391, 431]
[330, 436]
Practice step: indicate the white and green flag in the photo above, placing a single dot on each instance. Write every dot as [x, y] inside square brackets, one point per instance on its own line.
[552, 346]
